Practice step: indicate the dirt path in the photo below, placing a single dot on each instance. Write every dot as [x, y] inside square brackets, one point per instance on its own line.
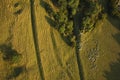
[35, 37]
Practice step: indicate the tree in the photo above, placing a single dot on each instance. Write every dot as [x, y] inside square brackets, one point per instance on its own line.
[114, 6]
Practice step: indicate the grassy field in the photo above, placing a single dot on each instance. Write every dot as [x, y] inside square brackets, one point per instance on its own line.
[99, 53]
[100, 50]
[18, 27]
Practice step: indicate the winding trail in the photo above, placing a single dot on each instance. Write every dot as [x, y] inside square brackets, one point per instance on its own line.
[35, 38]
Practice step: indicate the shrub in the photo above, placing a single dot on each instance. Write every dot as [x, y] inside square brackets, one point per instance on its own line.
[91, 16]
[48, 9]
[69, 27]
[62, 29]
[65, 16]
[14, 72]
[9, 54]
[87, 24]
[114, 8]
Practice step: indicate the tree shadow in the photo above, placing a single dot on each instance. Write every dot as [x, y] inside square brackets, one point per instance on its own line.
[47, 8]
[53, 24]
[16, 71]
[45, 5]
[115, 21]
[114, 73]
[9, 54]
[117, 37]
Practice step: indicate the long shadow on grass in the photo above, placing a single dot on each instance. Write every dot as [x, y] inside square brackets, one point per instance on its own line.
[15, 72]
[114, 73]
[115, 21]
[8, 53]
[78, 39]
[117, 37]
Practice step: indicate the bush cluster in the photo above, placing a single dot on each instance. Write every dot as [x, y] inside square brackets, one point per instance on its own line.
[114, 6]
[11, 57]
[9, 54]
[90, 12]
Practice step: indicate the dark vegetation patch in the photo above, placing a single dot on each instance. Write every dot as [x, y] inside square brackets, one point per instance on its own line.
[114, 8]
[19, 8]
[115, 21]
[72, 14]
[16, 4]
[117, 37]
[11, 57]
[9, 54]
[15, 72]
[114, 73]
[18, 12]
